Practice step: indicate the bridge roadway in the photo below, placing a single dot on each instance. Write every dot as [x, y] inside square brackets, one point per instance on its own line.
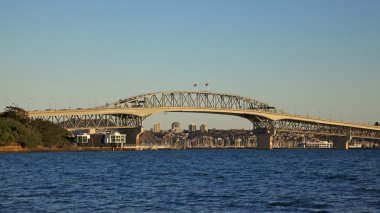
[130, 113]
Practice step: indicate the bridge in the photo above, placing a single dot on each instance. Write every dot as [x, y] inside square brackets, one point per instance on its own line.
[129, 113]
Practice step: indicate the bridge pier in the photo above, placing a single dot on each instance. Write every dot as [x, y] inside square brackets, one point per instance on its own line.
[341, 142]
[264, 139]
[133, 135]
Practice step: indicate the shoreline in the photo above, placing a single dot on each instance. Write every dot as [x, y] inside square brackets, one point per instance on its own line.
[19, 149]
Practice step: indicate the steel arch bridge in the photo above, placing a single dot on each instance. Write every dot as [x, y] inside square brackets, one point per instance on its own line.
[201, 99]
[266, 120]
[130, 112]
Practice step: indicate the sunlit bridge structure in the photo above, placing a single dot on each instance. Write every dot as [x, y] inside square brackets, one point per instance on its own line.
[129, 113]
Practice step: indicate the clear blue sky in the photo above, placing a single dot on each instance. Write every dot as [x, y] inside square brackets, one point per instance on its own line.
[317, 57]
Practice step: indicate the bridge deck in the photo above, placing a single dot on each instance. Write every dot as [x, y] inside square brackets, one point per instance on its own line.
[143, 112]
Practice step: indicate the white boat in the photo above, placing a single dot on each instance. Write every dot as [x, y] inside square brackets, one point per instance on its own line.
[315, 145]
[355, 146]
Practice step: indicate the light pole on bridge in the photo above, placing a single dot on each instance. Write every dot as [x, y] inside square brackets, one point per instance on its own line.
[95, 100]
[32, 103]
[55, 102]
[75, 101]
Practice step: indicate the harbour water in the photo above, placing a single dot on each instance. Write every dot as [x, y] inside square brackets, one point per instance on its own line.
[191, 181]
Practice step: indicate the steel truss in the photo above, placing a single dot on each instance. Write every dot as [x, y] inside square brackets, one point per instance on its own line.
[315, 128]
[194, 100]
[95, 121]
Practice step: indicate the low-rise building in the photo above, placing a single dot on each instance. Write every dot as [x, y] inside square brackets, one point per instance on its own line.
[82, 138]
[176, 127]
[115, 137]
[204, 128]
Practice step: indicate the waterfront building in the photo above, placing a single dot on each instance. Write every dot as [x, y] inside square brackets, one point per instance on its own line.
[204, 128]
[115, 137]
[102, 139]
[316, 145]
[192, 128]
[82, 138]
[156, 128]
[176, 127]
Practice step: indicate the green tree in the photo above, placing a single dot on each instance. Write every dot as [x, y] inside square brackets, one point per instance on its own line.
[6, 136]
[16, 113]
[52, 134]
[17, 128]
[14, 132]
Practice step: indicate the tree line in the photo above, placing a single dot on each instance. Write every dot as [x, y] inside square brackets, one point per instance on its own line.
[16, 128]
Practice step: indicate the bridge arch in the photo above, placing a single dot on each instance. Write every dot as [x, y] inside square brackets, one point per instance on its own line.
[193, 99]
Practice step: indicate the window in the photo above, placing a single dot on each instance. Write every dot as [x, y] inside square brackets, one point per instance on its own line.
[82, 139]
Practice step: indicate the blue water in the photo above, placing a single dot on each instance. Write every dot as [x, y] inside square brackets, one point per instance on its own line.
[191, 181]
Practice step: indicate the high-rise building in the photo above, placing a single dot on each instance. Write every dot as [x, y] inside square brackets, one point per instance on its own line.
[192, 128]
[176, 127]
[204, 128]
[156, 128]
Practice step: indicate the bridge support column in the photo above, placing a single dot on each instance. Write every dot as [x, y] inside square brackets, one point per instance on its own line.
[133, 135]
[341, 143]
[264, 139]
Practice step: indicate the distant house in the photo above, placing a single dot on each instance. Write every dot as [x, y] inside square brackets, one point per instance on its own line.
[115, 137]
[82, 138]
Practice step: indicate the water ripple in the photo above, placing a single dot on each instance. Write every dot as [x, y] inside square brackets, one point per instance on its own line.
[191, 181]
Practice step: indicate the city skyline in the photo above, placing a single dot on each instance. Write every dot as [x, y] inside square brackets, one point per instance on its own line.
[191, 127]
[311, 58]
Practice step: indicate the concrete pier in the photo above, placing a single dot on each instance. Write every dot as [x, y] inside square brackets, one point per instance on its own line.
[341, 142]
[133, 135]
[264, 139]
